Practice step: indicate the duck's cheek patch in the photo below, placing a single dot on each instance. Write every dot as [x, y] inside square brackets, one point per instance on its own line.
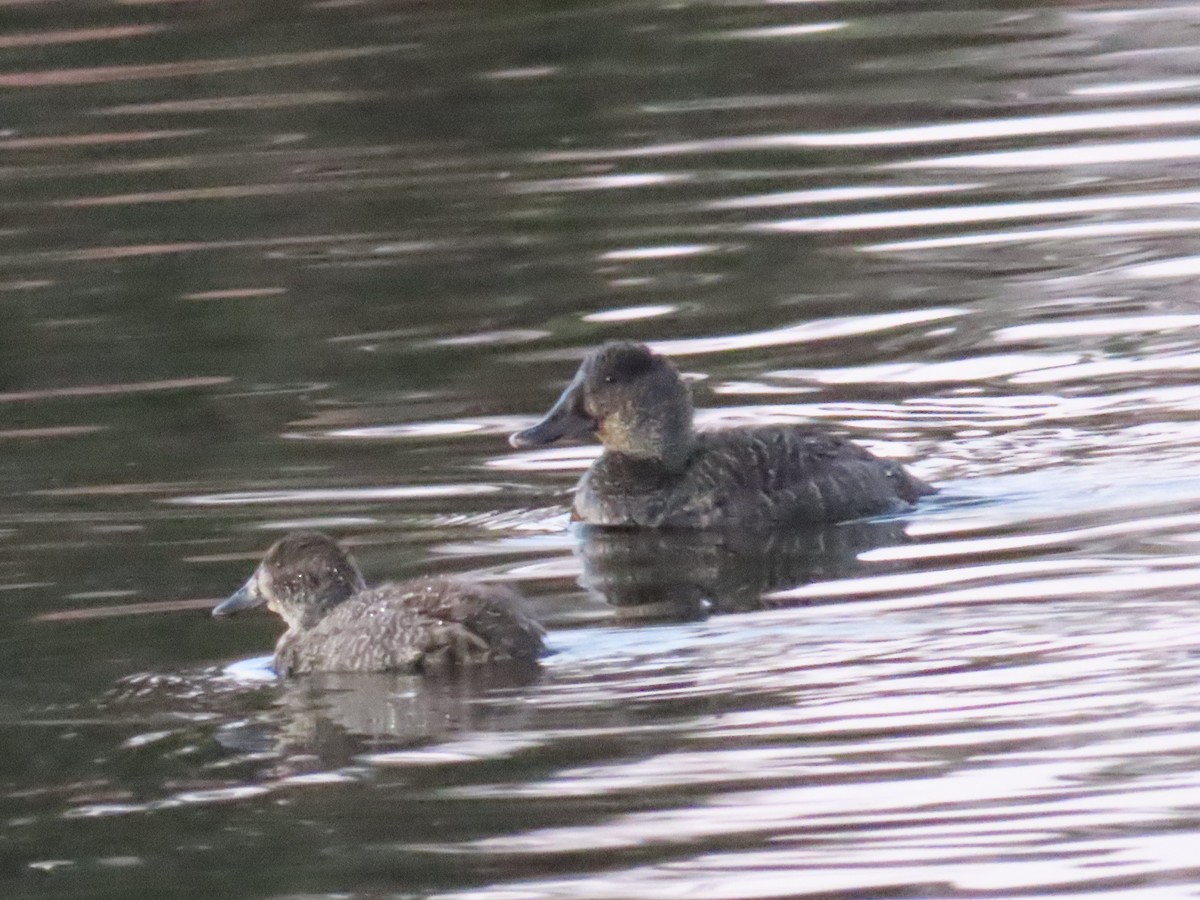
[614, 432]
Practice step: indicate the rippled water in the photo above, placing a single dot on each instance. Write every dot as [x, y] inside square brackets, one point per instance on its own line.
[273, 266]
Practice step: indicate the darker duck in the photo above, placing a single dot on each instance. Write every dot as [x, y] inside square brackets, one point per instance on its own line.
[337, 624]
[658, 471]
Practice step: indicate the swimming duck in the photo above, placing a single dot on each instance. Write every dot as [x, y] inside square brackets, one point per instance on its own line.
[658, 471]
[337, 624]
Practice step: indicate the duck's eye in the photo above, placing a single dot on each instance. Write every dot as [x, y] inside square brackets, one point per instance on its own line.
[610, 379]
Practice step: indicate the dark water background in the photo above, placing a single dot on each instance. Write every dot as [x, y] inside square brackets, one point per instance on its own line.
[271, 264]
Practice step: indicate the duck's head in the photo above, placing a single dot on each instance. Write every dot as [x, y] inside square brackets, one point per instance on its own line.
[630, 398]
[302, 577]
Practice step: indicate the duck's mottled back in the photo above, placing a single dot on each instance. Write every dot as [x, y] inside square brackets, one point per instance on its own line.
[751, 477]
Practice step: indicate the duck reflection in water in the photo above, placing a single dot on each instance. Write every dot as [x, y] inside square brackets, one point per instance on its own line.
[327, 720]
[657, 471]
[336, 624]
[680, 574]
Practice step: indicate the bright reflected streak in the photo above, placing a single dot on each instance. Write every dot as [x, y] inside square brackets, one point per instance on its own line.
[319, 523]
[1134, 580]
[96, 140]
[1097, 154]
[311, 778]
[55, 431]
[755, 389]
[1105, 229]
[230, 794]
[951, 371]
[1175, 14]
[491, 338]
[543, 570]
[986, 212]
[984, 129]
[1128, 88]
[976, 547]
[77, 35]
[561, 541]
[1172, 268]
[556, 459]
[1074, 328]
[911, 581]
[469, 749]
[961, 857]
[235, 294]
[257, 669]
[669, 252]
[1184, 362]
[115, 390]
[522, 74]
[595, 183]
[235, 102]
[988, 129]
[778, 31]
[836, 195]
[748, 812]
[446, 428]
[262, 189]
[187, 68]
[631, 313]
[806, 332]
[336, 495]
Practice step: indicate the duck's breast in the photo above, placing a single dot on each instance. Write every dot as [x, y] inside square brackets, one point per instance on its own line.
[621, 491]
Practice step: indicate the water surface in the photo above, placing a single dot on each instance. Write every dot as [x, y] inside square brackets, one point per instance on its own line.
[307, 265]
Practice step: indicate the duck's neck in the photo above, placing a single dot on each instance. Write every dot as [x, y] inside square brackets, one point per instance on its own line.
[345, 583]
[675, 449]
[666, 441]
[312, 615]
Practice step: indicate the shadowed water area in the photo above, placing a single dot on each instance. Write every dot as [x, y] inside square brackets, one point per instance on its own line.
[268, 266]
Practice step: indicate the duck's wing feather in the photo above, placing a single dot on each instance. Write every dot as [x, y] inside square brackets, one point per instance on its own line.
[780, 475]
[484, 622]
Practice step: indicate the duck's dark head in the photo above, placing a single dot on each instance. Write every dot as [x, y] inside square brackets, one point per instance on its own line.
[302, 577]
[630, 398]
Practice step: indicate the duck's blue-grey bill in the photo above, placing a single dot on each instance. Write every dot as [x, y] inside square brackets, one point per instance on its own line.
[566, 419]
[245, 598]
